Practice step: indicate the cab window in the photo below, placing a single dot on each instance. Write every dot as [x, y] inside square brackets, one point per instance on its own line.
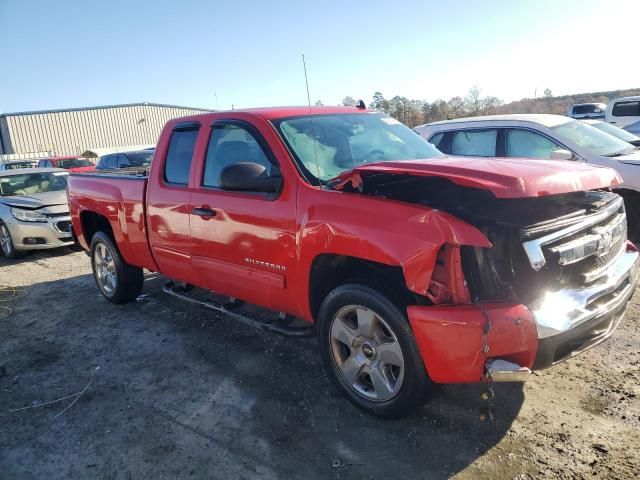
[232, 144]
[178, 162]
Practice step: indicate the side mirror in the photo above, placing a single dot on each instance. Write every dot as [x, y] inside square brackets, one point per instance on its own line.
[250, 177]
[561, 154]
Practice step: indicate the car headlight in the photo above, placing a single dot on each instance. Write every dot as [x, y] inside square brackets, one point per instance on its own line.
[28, 215]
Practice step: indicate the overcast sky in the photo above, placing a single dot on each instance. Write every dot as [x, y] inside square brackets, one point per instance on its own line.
[57, 54]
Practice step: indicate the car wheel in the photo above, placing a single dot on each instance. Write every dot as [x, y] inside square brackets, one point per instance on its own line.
[6, 243]
[118, 281]
[370, 352]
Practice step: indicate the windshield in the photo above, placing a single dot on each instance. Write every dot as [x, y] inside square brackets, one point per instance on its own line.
[615, 131]
[32, 183]
[327, 145]
[592, 139]
[140, 159]
[74, 163]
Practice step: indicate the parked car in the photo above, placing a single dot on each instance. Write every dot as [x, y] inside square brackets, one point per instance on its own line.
[624, 112]
[615, 131]
[15, 164]
[411, 267]
[546, 137]
[138, 159]
[72, 163]
[587, 110]
[34, 214]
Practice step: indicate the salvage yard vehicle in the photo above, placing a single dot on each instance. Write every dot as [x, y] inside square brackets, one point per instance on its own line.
[411, 267]
[615, 131]
[136, 159]
[586, 110]
[15, 164]
[34, 214]
[73, 163]
[624, 112]
[546, 137]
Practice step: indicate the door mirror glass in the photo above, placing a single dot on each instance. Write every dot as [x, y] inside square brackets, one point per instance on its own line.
[250, 177]
[561, 154]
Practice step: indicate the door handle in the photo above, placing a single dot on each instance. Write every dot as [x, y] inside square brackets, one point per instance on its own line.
[204, 212]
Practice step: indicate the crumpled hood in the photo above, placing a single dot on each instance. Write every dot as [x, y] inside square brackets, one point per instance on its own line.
[36, 201]
[505, 178]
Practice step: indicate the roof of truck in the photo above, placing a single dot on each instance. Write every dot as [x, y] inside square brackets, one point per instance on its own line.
[270, 113]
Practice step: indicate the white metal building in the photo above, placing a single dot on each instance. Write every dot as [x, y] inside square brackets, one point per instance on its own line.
[76, 130]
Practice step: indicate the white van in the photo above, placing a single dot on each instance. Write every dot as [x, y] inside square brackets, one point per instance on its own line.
[586, 110]
[624, 112]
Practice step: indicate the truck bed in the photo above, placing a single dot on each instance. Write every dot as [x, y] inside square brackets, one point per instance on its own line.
[117, 197]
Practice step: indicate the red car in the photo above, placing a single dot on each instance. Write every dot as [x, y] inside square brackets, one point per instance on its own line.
[71, 163]
[409, 266]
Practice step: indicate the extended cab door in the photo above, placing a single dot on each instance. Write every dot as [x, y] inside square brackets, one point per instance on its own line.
[243, 237]
[168, 203]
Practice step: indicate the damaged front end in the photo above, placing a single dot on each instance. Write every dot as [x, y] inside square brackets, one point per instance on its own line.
[555, 282]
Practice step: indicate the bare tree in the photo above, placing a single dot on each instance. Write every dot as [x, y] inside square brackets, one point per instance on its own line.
[348, 101]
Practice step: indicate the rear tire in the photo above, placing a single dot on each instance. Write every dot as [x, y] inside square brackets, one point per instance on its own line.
[6, 243]
[118, 281]
[370, 352]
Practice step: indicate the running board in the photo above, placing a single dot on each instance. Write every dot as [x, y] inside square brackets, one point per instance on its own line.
[281, 326]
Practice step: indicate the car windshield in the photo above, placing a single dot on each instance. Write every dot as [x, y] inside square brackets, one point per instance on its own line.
[32, 183]
[327, 145]
[615, 131]
[592, 139]
[73, 163]
[140, 159]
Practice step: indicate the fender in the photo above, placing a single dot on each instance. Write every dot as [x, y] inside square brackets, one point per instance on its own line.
[385, 231]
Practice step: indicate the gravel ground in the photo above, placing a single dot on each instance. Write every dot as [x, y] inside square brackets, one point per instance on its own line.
[172, 390]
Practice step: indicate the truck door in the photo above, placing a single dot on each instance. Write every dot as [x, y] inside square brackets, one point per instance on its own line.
[168, 204]
[243, 237]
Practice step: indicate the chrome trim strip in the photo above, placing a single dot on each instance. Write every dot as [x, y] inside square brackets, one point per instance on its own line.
[533, 248]
[563, 310]
[503, 371]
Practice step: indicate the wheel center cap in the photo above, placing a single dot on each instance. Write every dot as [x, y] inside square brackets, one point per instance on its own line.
[368, 350]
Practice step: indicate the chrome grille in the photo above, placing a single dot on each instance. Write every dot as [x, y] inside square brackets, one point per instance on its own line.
[586, 247]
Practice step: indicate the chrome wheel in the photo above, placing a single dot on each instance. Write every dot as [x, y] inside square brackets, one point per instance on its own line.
[367, 353]
[105, 268]
[5, 240]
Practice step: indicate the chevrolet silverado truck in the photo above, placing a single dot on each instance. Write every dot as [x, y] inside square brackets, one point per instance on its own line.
[412, 268]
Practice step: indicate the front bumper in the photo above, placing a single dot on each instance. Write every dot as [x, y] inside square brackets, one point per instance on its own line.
[457, 348]
[56, 232]
[570, 321]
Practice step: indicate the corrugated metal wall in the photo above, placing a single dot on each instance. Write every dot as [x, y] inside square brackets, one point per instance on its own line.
[71, 132]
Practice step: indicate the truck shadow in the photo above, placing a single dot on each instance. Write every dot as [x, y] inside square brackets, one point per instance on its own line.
[179, 380]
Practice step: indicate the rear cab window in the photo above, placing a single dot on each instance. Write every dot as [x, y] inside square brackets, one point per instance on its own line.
[177, 164]
[626, 109]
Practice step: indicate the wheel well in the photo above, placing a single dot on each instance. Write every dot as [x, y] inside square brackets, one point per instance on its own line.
[94, 222]
[329, 271]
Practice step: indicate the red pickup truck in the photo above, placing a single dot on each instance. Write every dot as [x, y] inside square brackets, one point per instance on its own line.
[411, 267]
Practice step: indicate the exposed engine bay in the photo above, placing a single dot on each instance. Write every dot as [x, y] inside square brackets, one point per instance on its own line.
[539, 243]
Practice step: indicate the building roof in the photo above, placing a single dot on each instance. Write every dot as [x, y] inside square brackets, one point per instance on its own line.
[101, 107]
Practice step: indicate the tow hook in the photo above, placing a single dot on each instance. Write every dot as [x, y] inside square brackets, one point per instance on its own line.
[503, 371]
[498, 370]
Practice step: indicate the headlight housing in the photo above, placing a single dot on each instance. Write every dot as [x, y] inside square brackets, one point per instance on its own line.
[28, 215]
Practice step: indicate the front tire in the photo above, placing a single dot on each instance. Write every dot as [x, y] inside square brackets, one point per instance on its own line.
[6, 243]
[370, 352]
[118, 281]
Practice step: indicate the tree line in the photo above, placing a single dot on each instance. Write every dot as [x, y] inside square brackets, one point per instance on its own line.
[414, 112]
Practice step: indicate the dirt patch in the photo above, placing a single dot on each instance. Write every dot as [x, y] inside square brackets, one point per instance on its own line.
[178, 391]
